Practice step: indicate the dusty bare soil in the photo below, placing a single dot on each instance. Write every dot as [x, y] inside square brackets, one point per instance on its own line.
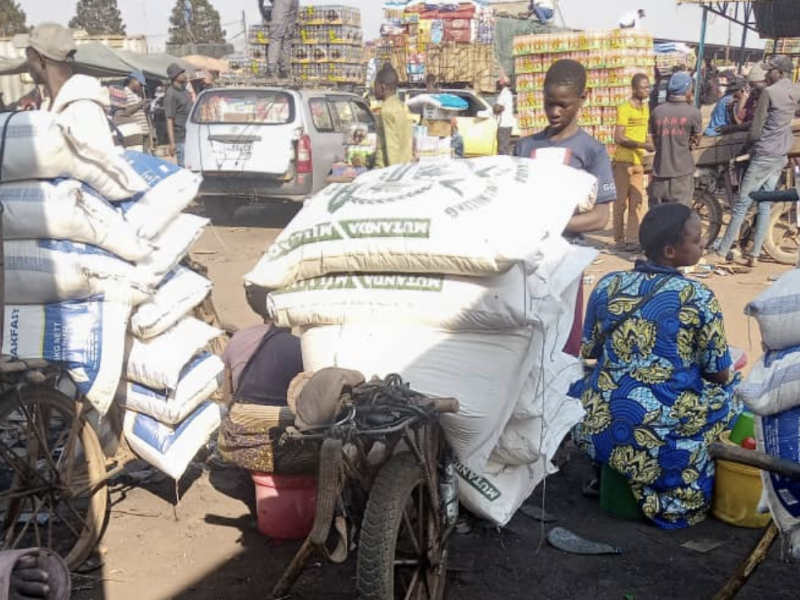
[206, 547]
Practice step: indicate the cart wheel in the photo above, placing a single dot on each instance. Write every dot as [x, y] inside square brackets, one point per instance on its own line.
[401, 555]
[783, 235]
[710, 210]
[53, 490]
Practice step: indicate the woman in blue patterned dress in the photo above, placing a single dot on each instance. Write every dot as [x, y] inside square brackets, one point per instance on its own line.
[661, 391]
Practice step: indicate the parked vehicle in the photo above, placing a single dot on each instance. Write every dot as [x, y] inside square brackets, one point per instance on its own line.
[268, 144]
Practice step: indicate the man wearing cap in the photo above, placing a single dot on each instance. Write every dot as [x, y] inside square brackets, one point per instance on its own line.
[177, 106]
[131, 118]
[756, 80]
[80, 101]
[504, 112]
[770, 140]
[728, 110]
[675, 126]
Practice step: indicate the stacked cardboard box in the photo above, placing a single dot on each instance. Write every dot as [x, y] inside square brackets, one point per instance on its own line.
[328, 45]
[454, 42]
[612, 58]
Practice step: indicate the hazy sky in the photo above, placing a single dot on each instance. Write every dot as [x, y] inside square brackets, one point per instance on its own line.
[151, 17]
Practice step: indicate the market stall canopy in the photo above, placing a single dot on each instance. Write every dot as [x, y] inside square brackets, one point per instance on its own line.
[154, 66]
[775, 19]
[207, 63]
[99, 60]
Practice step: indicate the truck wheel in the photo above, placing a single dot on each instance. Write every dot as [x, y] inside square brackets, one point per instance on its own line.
[221, 211]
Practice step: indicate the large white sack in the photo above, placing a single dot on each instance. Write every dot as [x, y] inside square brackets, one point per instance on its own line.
[779, 435]
[773, 384]
[171, 449]
[499, 490]
[67, 210]
[35, 146]
[158, 363]
[88, 338]
[172, 245]
[48, 271]
[485, 371]
[472, 217]
[180, 292]
[777, 311]
[200, 380]
[170, 189]
[447, 302]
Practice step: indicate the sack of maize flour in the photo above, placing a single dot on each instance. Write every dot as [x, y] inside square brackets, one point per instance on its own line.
[35, 146]
[777, 311]
[471, 218]
[172, 245]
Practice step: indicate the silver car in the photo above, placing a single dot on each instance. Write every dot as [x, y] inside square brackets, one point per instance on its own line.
[268, 144]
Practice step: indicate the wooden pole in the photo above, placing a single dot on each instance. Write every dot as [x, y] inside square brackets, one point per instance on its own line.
[748, 567]
[754, 458]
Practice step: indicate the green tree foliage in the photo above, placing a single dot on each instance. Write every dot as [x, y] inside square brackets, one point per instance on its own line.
[203, 27]
[98, 17]
[12, 18]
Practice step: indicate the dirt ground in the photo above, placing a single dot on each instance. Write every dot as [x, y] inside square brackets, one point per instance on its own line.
[206, 547]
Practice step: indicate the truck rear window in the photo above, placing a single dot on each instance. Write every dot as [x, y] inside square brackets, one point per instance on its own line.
[239, 106]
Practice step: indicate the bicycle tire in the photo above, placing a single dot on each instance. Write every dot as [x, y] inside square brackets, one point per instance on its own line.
[782, 230]
[375, 571]
[94, 483]
[711, 214]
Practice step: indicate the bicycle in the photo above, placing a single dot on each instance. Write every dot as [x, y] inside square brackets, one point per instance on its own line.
[405, 504]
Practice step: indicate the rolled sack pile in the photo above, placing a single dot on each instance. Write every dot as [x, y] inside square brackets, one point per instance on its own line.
[772, 392]
[93, 281]
[455, 275]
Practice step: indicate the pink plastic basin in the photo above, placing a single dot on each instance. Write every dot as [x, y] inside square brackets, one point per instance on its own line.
[286, 505]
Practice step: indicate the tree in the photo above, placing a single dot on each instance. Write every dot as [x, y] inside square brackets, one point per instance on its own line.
[12, 18]
[195, 22]
[98, 17]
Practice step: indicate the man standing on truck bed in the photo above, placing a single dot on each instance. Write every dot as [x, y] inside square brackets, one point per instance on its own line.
[177, 105]
[394, 124]
[282, 23]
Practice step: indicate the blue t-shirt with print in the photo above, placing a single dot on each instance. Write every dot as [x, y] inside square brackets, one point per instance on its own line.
[580, 151]
[721, 117]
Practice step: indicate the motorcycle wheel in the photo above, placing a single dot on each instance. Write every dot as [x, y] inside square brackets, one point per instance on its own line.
[783, 237]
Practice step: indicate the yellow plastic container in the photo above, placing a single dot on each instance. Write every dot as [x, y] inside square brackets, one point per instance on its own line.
[737, 492]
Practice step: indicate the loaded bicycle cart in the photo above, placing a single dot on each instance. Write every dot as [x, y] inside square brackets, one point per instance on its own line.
[104, 319]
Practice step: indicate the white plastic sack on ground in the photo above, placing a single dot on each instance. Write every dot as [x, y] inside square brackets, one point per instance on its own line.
[773, 384]
[527, 440]
[451, 303]
[171, 449]
[67, 210]
[35, 146]
[172, 245]
[87, 337]
[499, 490]
[472, 217]
[779, 435]
[158, 363]
[199, 380]
[170, 190]
[48, 271]
[777, 311]
[485, 371]
[180, 292]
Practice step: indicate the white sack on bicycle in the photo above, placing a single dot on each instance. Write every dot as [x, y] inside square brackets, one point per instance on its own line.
[68, 210]
[171, 449]
[199, 380]
[159, 362]
[88, 338]
[172, 245]
[35, 146]
[470, 218]
[777, 311]
[773, 384]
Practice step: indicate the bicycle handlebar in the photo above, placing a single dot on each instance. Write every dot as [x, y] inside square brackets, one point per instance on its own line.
[790, 195]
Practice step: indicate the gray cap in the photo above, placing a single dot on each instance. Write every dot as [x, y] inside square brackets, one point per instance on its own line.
[174, 70]
[51, 40]
[782, 63]
[758, 74]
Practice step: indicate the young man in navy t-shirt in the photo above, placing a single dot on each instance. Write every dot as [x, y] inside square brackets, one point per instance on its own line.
[565, 142]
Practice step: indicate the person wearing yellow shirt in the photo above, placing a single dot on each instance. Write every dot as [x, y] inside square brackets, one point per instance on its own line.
[633, 140]
[395, 129]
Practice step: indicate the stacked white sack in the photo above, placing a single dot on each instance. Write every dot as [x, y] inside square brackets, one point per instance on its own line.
[455, 276]
[772, 391]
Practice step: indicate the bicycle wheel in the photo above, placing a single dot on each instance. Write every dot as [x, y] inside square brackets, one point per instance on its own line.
[53, 490]
[710, 210]
[783, 235]
[401, 555]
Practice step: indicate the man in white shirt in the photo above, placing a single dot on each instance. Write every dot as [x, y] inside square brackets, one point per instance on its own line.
[504, 111]
[632, 20]
[543, 9]
[80, 101]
